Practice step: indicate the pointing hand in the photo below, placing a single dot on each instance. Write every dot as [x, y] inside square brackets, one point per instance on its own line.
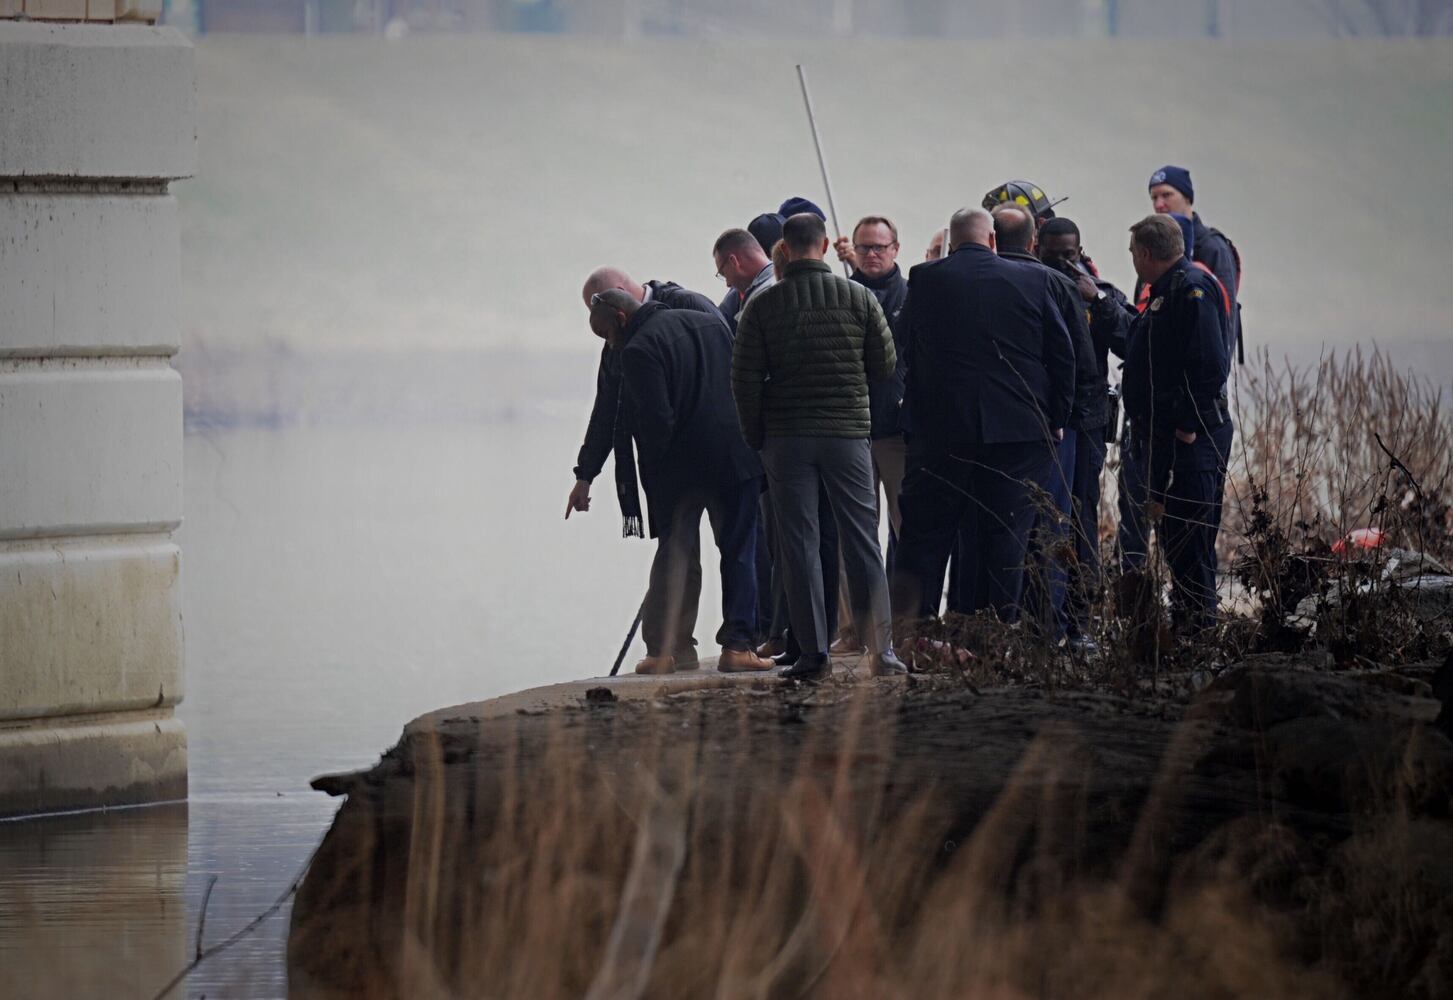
[579, 498]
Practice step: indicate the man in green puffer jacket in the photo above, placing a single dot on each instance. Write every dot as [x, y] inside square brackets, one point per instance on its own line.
[805, 350]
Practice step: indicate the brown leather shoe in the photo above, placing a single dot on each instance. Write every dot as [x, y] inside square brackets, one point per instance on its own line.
[846, 645]
[657, 665]
[736, 661]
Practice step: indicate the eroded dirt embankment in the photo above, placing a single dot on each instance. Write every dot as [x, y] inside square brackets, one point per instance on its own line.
[919, 837]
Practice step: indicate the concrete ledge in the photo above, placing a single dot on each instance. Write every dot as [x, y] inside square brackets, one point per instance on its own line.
[626, 685]
[79, 100]
[89, 275]
[89, 627]
[80, 764]
[89, 447]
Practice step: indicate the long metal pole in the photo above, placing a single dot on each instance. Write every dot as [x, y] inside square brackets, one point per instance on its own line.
[821, 159]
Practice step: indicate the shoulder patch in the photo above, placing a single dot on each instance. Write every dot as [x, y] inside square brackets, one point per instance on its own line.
[1197, 293]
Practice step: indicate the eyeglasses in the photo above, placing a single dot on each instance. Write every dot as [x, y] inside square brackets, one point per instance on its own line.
[863, 249]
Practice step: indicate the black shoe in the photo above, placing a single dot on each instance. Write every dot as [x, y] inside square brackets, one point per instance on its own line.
[886, 665]
[786, 659]
[808, 668]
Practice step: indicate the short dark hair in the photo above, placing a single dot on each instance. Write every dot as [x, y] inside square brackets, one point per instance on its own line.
[1013, 227]
[877, 220]
[1160, 236]
[734, 241]
[1060, 226]
[803, 232]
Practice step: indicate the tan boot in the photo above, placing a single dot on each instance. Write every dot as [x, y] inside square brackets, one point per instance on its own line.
[657, 665]
[736, 661]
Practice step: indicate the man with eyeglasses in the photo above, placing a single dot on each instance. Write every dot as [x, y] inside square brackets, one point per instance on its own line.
[744, 265]
[872, 253]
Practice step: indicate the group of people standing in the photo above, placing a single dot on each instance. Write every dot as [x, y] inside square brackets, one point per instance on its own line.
[974, 393]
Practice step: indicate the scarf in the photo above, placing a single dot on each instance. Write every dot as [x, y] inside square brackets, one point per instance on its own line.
[628, 491]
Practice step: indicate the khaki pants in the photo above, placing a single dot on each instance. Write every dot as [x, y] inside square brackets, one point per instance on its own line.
[890, 455]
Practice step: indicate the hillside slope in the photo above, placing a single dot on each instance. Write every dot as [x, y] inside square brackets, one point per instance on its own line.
[452, 192]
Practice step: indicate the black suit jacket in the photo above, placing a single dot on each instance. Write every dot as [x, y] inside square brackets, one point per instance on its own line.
[600, 431]
[989, 356]
[676, 369]
[1090, 410]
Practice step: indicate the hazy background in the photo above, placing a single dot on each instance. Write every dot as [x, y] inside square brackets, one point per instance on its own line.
[440, 198]
[387, 366]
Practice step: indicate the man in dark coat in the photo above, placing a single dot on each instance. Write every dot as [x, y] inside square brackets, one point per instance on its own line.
[1055, 534]
[1110, 314]
[607, 432]
[990, 388]
[1176, 366]
[676, 375]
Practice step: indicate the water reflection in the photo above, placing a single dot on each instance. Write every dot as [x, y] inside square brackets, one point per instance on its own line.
[93, 905]
[338, 581]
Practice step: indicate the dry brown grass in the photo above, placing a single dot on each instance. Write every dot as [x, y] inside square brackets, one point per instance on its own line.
[548, 875]
[555, 877]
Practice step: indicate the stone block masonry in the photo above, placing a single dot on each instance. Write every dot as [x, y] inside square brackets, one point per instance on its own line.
[95, 122]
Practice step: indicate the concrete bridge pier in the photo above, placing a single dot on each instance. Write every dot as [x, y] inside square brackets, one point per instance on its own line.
[95, 121]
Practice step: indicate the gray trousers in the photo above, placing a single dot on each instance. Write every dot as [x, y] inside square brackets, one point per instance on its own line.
[844, 469]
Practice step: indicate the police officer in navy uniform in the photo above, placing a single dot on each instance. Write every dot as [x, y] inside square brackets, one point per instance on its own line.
[1174, 387]
[1172, 193]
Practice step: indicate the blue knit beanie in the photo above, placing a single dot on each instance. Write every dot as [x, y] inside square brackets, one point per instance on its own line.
[1177, 177]
[767, 228]
[792, 206]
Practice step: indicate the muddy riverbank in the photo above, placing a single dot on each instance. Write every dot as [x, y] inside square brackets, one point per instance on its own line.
[1285, 830]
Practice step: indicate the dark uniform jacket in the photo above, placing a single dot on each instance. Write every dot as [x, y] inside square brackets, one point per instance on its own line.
[1176, 366]
[1091, 409]
[1213, 250]
[806, 349]
[885, 398]
[1110, 319]
[989, 356]
[676, 376]
[600, 431]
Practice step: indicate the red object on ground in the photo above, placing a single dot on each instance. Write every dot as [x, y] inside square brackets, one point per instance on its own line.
[1362, 538]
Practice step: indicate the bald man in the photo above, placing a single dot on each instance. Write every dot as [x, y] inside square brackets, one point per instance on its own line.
[990, 386]
[606, 433]
[1017, 236]
[675, 369]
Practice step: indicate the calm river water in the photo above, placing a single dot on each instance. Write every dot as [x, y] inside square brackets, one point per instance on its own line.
[338, 582]
[340, 578]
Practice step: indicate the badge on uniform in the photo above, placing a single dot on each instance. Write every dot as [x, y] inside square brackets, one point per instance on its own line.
[1196, 293]
[1155, 306]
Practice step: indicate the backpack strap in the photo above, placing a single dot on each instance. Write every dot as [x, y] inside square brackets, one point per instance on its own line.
[1235, 253]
